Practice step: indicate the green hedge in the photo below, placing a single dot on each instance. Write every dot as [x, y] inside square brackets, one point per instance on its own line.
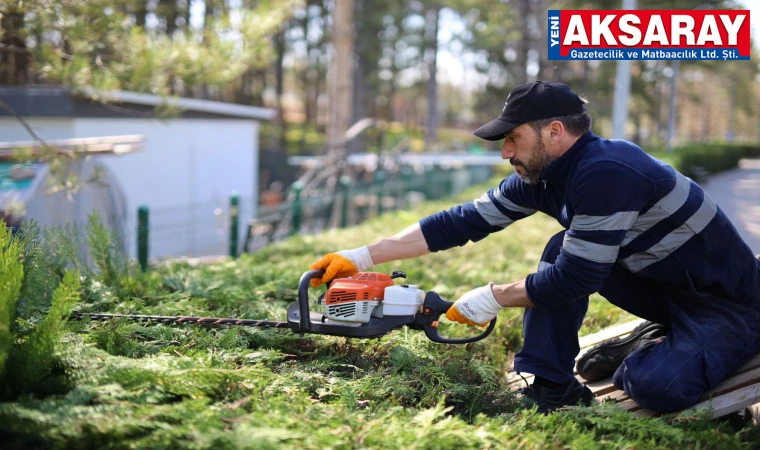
[698, 161]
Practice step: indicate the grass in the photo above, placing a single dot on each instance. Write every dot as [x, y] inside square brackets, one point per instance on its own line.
[130, 385]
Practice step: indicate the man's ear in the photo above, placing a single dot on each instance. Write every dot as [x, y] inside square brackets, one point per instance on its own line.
[556, 130]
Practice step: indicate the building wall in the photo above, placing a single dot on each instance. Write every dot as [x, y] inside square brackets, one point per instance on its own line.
[55, 209]
[184, 174]
[46, 128]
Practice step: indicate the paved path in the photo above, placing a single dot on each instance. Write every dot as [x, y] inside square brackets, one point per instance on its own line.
[737, 192]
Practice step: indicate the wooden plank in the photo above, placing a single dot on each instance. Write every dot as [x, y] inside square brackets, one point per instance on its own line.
[94, 145]
[749, 365]
[731, 395]
[629, 405]
[645, 412]
[616, 395]
[76, 142]
[732, 401]
[601, 387]
[733, 383]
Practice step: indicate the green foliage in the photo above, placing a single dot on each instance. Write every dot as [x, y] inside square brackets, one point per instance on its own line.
[104, 250]
[40, 292]
[46, 257]
[697, 161]
[100, 47]
[133, 385]
[34, 291]
[11, 276]
[32, 359]
[713, 158]
[27, 340]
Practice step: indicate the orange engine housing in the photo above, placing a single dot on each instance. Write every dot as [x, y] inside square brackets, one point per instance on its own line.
[364, 286]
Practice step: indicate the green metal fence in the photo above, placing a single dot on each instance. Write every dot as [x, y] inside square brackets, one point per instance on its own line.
[354, 201]
[210, 228]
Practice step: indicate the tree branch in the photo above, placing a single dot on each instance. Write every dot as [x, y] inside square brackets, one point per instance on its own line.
[36, 137]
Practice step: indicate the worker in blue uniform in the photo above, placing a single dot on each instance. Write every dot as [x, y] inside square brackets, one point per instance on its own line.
[644, 236]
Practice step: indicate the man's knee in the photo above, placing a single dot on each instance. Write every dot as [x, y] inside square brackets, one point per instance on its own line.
[649, 393]
[658, 391]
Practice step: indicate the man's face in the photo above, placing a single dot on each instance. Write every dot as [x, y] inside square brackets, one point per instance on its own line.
[525, 150]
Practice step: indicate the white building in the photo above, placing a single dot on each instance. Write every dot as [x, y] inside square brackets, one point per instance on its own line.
[186, 171]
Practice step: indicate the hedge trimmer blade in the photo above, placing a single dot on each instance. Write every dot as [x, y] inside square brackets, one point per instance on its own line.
[185, 319]
[350, 310]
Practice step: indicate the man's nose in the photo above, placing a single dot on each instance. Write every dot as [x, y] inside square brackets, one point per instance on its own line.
[507, 150]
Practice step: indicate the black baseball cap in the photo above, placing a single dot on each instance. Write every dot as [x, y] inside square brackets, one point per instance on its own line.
[532, 101]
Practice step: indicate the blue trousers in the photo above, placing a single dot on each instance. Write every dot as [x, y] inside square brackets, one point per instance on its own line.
[710, 339]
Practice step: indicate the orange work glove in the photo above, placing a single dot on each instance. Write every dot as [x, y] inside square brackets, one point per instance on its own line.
[477, 307]
[342, 264]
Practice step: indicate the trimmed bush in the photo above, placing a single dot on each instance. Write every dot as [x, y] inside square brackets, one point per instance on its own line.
[136, 385]
[696, 161]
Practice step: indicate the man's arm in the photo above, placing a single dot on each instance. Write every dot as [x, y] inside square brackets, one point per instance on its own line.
[409, 243]
[472, 221]
[494, 211]
[512, 295]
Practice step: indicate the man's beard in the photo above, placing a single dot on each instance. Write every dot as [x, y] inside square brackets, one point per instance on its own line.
[539, 161]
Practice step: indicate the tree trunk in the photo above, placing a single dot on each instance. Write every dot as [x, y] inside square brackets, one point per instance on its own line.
[279, 43]
[704, 133]
[320, 86]
[307, 89]
[392, 113]
[523, 45]
[730, 132]
[208, 14]
[358, 110]
[140, 13]
[660, 108]
[320, 82]
[546, 67]
[170, 11]
[431, 57]
[258, 79]
[358, 106]
[637, 137]
[14, 58]
[341, 73]
[186, 15]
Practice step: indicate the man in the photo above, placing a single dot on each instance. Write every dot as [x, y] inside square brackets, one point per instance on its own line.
[638, 232]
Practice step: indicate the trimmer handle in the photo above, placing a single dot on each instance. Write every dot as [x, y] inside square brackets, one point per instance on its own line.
[432, 309]
[303, 297]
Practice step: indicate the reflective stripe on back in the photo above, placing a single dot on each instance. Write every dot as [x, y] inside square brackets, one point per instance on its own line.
[675, 239]
[667, 205]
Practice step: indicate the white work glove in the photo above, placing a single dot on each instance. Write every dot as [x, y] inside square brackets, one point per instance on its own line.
[477, 307]
[344, 263]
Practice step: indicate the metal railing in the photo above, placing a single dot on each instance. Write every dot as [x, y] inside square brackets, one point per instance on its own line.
[356, 201]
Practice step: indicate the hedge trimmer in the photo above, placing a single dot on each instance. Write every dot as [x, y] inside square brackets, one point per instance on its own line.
[366, 305]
